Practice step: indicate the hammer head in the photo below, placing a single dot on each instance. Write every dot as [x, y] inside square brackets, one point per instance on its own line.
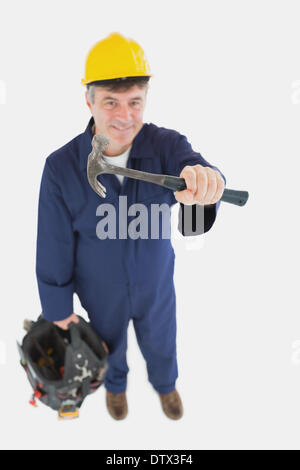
[96, 164]
[100, 143]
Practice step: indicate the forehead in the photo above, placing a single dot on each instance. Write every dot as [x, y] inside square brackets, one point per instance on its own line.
[133, 92]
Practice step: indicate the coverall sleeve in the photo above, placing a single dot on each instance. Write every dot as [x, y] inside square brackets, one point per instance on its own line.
[55, 249]
[193, 219]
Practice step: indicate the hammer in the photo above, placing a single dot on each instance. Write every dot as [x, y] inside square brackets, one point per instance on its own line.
[97, 165]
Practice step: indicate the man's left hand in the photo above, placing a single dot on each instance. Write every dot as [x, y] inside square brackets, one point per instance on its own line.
[204, 185]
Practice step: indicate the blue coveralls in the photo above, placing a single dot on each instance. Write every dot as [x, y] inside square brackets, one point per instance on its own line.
[116, 280]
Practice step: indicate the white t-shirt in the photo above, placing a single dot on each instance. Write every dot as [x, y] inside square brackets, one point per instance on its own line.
[118, 160]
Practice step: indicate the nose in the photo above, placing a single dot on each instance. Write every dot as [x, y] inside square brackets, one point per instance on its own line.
[124, 113]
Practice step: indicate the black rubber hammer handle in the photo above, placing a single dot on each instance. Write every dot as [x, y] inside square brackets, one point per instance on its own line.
[232, 196]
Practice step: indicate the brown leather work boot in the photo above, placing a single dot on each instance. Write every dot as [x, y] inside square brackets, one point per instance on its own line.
[171, 404]
[117, 404]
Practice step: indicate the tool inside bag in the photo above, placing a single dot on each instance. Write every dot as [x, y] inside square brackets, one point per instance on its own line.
[63, 366]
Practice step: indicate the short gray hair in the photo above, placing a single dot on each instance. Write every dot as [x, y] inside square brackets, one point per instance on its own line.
[91, 93]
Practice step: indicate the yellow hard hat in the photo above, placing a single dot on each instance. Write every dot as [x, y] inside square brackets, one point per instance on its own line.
[115, 57]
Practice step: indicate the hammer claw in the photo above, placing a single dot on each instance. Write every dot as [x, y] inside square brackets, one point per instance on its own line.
[100, 189]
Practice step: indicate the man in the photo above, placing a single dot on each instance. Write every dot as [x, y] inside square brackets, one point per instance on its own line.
[119, 279]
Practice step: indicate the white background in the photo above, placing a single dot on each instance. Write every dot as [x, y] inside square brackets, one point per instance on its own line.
[227, 75]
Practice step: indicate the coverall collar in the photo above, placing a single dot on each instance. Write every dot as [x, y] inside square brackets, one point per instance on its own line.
[137, 150]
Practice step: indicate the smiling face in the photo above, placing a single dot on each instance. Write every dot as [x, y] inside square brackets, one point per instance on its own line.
[118, 116]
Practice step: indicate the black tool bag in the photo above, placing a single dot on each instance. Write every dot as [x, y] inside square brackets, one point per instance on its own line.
[63, 366]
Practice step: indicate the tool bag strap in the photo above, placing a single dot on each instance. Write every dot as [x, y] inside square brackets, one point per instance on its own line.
[75, 336]
[76, 344]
